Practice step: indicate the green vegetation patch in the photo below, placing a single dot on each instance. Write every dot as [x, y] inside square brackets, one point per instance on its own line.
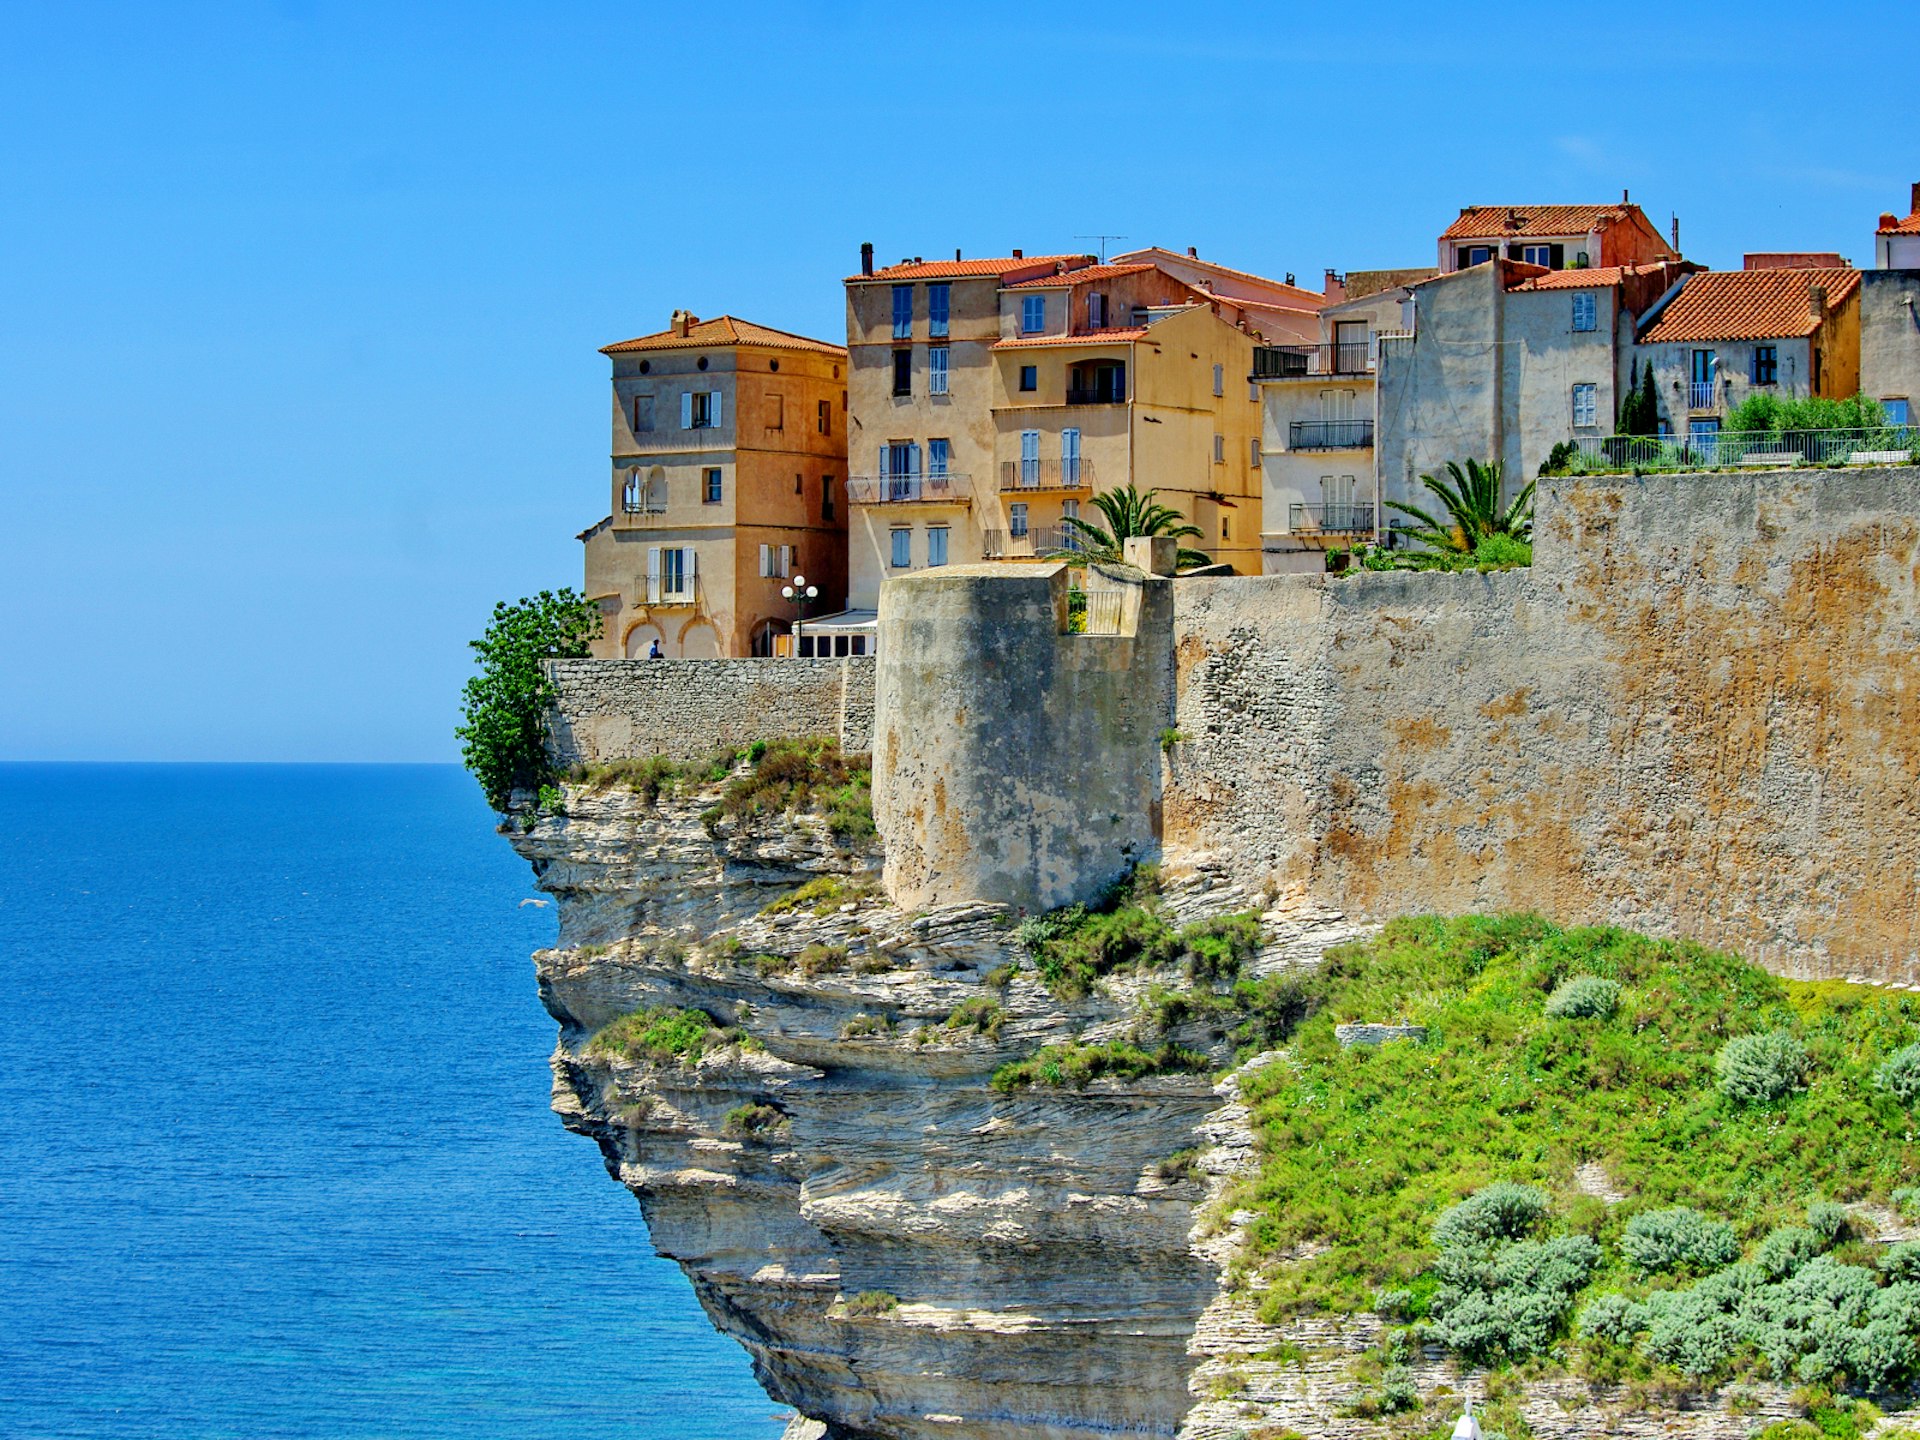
[807, 774]
[1125, 929]
[823, 895]
[869, 1303]
[660, 1036]
[979, 1014]
[1075, 1065]
[653, 777]
[1370, 1152]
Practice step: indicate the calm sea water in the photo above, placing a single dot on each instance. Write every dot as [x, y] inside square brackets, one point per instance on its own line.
[275, 1154]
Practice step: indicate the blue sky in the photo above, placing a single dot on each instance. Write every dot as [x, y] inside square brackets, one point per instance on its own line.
[300, 303]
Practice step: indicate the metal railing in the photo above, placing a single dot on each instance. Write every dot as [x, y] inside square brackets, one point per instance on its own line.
[1282, 362]
[1702, 394]
[1104, 611]
[1329, 434]
[1873, 445]
[1332, 519]
[1046, 474]
[950, 489]
[1035, 542]
[1096, 395]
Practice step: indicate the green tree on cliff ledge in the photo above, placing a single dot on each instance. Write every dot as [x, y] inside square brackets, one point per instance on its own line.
[504, 737]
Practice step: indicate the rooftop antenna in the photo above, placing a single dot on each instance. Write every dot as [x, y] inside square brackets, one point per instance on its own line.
[1103, 239]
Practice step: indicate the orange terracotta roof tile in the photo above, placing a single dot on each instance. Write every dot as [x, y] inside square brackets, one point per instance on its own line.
[1747, 305]
[722, 330]
[966, 269]
[1309, 299]
[1484, 222]
[1083, 275]
[1592, 278]
[1090, 337]
[1908, 226]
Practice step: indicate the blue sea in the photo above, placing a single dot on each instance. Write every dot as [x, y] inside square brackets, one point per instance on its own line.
[275, 1153]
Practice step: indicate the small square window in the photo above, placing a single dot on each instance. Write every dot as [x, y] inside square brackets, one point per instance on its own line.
[1766, 364]
[902, 549]
[903, 372]
[1896, 408]
[1029, 377]
[710, 492]
[1033, 314]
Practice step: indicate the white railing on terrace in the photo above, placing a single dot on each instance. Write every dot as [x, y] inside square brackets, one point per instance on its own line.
[1873, 445]
[1701, 394]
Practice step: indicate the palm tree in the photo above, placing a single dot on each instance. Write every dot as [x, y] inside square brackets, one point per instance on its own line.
[1128, 513]
[1474, 512]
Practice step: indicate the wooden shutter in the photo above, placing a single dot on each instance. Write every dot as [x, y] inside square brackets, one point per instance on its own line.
[653, 574]
[766, 559]
[713, 408]
[686, 410]
[687, 556]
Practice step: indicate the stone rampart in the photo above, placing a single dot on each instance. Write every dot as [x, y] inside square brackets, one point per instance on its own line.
[1698, 714]
[686, 709]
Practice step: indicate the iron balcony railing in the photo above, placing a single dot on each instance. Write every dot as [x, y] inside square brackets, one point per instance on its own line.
[950, 489]
[1283, 362]
[1035, 542]
[1701, 394]
[1760, 449]
[1046, 475]
[1329, 434]
[1332, 519]
[1096, 395]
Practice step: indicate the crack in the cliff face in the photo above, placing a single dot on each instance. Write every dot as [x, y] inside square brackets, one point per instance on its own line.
[909, 1253]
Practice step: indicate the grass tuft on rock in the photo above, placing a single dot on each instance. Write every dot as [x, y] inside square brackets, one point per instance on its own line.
[783, 776]
[659, 1036]
[1075, 1065]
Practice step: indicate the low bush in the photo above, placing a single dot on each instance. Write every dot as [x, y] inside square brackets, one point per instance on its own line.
[659, 1036]
[1503, 1211]
[1755, 1069]
[1585, 997]
[1076, 1065]
[1678, 1239]
[860, 1025]
[1180, 1166]
[789, 775]
[823, 895]
[754, 1121]
[820, 958]
[1899, 1074]
[1074, 947]
[1613, 1318]
[978, 1014]
[869, 1303]
[1218, 948]
[1830, 1223]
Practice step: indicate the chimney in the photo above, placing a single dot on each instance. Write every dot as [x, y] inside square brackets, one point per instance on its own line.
[681, 321]
[956, 252]
[866, 258]
[1888, 221]
[1192, 253]
[1817, 301]
[1916, 198]
[1676, 234]
[1623, 195]
[1019, 254]
[1336, 286]
[1289, 277]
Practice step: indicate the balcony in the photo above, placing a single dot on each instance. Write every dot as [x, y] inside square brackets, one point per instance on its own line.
[909, 490]
[1035, 542]
[1095, 395]
[1046, 475]
[1291, 362]
[1331, 519]
[1330, 435]
[1702, 395]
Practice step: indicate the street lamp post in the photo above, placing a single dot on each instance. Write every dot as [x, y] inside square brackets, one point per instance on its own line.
[799, 593]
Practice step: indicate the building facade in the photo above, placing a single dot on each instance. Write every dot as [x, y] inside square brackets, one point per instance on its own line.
[1896, 244]
[1890, 317]
[729, 462]
[1555, 237]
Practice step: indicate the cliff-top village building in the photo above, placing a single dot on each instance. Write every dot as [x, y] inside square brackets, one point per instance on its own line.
[980, 405]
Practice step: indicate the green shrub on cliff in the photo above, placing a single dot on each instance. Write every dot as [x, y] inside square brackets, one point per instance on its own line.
[804, 774]
[503, 737]
[1075, 1065]
[1364, 1149]
[1125, 929]
[659, 1035]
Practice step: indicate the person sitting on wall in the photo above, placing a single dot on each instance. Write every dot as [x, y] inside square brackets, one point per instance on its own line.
[654, 651]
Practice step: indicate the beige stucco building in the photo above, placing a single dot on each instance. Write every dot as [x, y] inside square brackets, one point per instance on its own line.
[1890, 316]
[996, 397]
[728, 477]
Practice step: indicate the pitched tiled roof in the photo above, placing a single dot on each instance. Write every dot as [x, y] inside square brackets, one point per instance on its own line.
[1908, 226]
[1482, 222]
[1309, 299]
[1592, 278]
[1077, 277]
[1747, 305]
[723, 330]
[966, 269]
[1089, 337]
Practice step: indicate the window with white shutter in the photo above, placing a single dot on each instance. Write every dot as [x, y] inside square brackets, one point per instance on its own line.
[766, 561]
[1585, 405]
[653, 574]
[936, 369]
[686, 410]
[1219, 380]
[1585, 311]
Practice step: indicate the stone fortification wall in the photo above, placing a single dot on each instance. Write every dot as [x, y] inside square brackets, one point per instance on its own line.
[1014, 761]
[1698, 715]
[686, 709]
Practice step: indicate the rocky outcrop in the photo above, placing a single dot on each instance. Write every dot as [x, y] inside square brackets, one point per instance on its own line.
[903, 1250]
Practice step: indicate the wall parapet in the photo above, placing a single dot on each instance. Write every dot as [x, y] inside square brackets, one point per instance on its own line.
[687, 709]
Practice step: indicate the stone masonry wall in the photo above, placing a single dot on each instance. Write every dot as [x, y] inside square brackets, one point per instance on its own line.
[1697, 715]
[686, 709]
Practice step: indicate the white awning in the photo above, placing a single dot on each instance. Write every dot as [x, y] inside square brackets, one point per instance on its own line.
[847, 622]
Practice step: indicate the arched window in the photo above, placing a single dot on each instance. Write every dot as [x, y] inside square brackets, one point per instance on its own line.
[656, 496]
[630, 494]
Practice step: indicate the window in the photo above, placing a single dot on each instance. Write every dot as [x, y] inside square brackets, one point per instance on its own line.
[630, 493]
[670, 574]
[1896, 408]
[936, 369]
[699, 409]
[1033, 314]
[1099, 383]
[1253, 452]
[903, 372]
[642, 413]
[1219, 449]
[1070, 457]
[902, 311]
[1029, 457]
[1766, 364]
[1017, 519]
[1586, 404]
[799, 484]
[902, 549]
[1472, 255]
[1585, 311]
[1537, 254]
[826, 497]
[939, 302]
[936, 545]
[938, 453]
[1029, 377]
[710, 489]
[823, 419]
[776, 562]
[1226, 527]
[1096, 312]
[776, 412]
[1219, 380]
